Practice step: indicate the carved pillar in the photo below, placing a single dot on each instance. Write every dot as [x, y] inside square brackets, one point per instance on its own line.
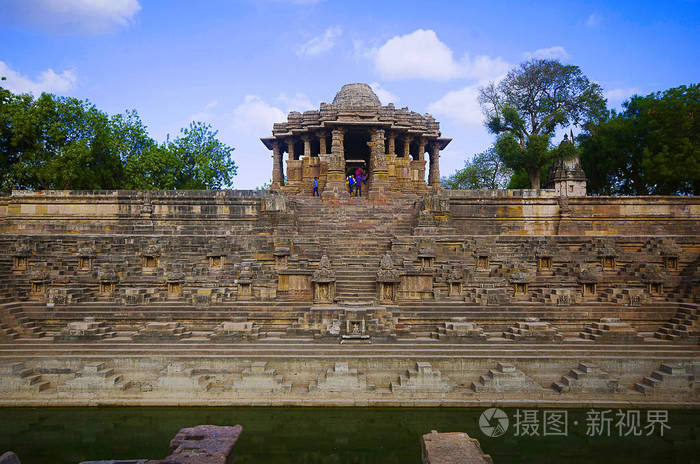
[323, 149]
[407, 146]
[377, 162]
[336, 166]
[421, 149]
[290, 149]
[276, 165]
[392, 144]
[434, 174]
[307, 145]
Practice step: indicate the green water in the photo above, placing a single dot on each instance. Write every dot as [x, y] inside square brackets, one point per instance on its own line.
[325, 435]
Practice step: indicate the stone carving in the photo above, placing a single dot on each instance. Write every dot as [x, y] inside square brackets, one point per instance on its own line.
[325, 272]
[87, 252]
[324, 281]
[107, 275]
[22, 251]
[386, 272]
[151, 250]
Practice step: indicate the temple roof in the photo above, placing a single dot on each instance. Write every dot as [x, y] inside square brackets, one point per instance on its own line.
[357, 105]
[356, 96]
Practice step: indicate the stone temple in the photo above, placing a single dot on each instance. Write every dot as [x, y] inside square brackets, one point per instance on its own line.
[356, 131]
[409, 296]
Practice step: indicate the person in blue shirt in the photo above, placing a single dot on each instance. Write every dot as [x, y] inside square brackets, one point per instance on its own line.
[351, 182]
[315, 185]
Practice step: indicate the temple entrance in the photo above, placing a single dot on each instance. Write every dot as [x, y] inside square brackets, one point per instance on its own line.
[356, 152]
[356, 148]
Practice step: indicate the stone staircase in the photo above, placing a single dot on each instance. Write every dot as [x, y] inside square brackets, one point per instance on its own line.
[14, 319]
[465, 332]
[354, 235]
[587, 377]
[7, 333]
[683, 326]
[94, 376]
[158, 331]
[19, 377]
[534, 331]
[610, 330]
[505, 378]
[87, 329]
[670, 378]
[422, 379]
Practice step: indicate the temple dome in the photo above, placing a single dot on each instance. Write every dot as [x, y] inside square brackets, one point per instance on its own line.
[356, 96]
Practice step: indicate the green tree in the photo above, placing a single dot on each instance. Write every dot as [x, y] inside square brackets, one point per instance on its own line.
[60, 143]
[64, 143]
[484, 171]
[530, 103]
[651, 147]
[205, 162]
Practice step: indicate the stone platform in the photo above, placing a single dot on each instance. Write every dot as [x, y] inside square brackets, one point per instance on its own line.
[245, 298]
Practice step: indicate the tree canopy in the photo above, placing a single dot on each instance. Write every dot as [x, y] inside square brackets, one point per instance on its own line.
[651, 147]
[484, 171]
[530, 103]
[54, 142]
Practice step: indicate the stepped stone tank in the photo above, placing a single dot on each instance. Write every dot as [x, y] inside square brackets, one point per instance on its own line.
[410, 295]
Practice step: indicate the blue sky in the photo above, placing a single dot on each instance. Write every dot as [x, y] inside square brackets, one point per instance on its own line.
[242, 65]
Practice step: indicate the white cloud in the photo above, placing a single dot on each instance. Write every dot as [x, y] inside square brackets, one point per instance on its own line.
[484, 68]
[462, 106]
[361, 51]
[88, 16]
[254, 117]
[593, 20]
[321, 43]
[207, 114]
[384, 95]
[48, 81]
[551, 53]
[618, 95]
[298, 102]
[421, 55]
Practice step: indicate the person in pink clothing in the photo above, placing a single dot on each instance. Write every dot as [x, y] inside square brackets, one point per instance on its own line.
[359, 180]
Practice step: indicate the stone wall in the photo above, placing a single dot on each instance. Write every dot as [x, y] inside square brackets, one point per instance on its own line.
[158, 293]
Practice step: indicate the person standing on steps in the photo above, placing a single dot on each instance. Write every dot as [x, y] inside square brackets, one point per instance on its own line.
[315, 185]
[351, 182]
[358, 183]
